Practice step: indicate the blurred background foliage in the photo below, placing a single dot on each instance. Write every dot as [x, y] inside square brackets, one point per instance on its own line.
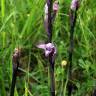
[22, 25]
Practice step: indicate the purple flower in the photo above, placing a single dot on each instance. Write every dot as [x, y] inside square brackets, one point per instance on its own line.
[55, 6]
[74, 5]
[48, 48]
[55, 9]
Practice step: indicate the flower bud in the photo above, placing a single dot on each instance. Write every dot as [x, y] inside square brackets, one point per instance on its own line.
[55, 6]
[74, 5]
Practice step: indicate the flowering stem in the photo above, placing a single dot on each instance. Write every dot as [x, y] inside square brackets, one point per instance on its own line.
[73, 17]
[51, 66]
[15, 70]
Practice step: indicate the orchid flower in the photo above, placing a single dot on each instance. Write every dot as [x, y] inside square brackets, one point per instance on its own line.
[74, 5]
[49, 49]
[55, 6]
[55, 10]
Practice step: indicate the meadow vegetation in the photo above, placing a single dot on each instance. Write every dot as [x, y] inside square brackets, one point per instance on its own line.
[22, 26]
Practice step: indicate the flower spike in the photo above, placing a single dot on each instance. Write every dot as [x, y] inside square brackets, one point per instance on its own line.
[55, 9]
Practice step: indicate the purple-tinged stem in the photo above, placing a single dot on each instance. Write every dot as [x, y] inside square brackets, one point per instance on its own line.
[73, 17]
[15, 61]
[51, 66]
[49, 3]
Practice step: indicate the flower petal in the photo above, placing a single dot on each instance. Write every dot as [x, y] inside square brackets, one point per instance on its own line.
[47, 53]
[74, 4]
[55, 6]
[42, 46]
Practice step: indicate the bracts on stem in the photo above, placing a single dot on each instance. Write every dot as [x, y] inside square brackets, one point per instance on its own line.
[73, 17]
[15, 61]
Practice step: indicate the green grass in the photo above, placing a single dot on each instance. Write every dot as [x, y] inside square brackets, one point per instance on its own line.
[22, 25]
